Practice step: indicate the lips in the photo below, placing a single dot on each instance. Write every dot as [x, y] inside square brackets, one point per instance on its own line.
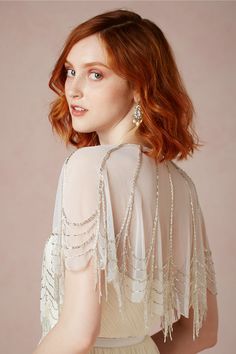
[73, 106]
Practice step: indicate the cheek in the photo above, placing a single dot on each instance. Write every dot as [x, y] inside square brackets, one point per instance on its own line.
[116, 95]
[66, 90]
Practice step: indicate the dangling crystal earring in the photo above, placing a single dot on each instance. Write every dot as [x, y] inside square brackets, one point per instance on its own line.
[138, 115]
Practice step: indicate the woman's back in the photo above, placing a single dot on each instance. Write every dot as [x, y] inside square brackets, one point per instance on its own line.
[142, 225]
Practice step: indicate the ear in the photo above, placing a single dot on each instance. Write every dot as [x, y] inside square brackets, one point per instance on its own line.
[136, 96]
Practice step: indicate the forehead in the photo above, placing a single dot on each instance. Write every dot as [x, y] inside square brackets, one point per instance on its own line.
[88, 49]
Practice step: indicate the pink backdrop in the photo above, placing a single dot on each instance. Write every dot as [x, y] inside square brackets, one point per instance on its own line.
[202, 35]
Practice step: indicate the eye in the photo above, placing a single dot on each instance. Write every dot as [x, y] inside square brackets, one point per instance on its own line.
[97, 75]
[67, 70]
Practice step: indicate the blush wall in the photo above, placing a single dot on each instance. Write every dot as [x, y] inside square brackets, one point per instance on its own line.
[202, 35]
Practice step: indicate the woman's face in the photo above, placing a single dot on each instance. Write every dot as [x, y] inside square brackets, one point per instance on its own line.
[91, 84]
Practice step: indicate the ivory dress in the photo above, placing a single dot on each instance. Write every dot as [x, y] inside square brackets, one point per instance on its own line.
[142, 224]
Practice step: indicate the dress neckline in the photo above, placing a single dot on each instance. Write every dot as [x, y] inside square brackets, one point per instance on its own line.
[121, 144]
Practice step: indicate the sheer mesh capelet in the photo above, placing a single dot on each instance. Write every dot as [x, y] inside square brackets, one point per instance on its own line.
[141, 225]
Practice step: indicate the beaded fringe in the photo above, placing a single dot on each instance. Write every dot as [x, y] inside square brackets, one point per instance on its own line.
[160, 288]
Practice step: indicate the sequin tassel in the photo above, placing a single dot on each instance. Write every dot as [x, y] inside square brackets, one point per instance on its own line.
[106, 236]
[151, 254]
[169, 287]
[199, 312]
[194, 275]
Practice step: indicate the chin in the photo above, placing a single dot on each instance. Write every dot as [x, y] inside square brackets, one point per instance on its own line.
[80, 129]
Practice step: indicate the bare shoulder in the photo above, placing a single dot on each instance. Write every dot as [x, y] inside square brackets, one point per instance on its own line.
[85, 152]
[85, 158]
[96, 156]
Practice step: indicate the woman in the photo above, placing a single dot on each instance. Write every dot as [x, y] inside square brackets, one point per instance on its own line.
[128, 248]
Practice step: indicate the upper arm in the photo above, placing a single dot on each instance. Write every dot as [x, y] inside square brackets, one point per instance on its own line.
[81, 311]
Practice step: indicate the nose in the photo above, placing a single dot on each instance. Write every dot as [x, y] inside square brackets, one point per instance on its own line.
[76, 88]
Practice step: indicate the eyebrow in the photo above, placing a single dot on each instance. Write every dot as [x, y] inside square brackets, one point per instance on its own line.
[90, 64]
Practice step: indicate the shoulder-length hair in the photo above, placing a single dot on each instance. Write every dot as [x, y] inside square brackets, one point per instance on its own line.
[139, 52]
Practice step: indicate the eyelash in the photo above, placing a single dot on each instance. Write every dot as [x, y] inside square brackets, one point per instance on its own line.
[92, 72]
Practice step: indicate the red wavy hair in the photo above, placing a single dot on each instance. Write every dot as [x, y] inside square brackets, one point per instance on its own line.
[139, 52]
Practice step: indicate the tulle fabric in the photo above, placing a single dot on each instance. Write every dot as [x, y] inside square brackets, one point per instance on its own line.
[143, 227]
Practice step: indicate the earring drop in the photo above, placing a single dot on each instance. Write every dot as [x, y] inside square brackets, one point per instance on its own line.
[138, 115]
